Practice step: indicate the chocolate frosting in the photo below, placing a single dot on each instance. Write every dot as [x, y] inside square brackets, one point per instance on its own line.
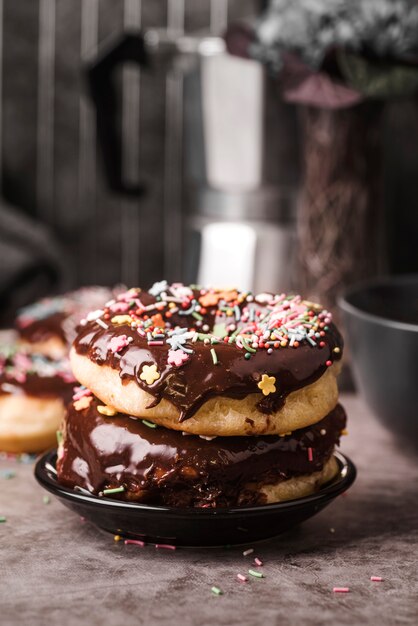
[37, 387]
[238, 371]
[43, 329]
[57, 317]
[35, 375]
[162, 466]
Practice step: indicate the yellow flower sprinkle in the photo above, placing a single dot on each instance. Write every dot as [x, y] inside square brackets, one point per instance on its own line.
[83, 403]
[121, 319]
[267, 385]
[109, 411]
[150, 374]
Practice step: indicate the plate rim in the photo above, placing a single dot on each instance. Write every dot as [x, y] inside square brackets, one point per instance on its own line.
[346, 477]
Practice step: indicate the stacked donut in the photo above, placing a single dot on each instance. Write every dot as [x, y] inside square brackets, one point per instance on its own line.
[203, 397]
[35, 376]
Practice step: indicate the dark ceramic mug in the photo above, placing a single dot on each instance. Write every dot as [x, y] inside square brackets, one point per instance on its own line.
[381, 325]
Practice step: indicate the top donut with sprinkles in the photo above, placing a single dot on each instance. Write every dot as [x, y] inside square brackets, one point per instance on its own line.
[189, 343]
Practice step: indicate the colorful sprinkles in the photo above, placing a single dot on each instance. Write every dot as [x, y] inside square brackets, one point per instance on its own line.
[17, 366]
[246, 321]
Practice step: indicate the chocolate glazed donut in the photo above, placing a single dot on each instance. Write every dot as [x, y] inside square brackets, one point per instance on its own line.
[188, 345]
[33, 394]
[162, 466]
[48, 326]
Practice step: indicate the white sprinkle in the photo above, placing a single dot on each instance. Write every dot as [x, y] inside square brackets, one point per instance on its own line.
[93, 315]
[102, 323]
[247, 552]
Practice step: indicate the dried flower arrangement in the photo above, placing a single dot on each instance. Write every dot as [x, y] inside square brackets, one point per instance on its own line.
[336, 53]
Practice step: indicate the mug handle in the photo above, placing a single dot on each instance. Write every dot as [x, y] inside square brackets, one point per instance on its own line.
[102, 87]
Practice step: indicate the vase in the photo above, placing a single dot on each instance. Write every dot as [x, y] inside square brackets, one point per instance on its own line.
[340, 218]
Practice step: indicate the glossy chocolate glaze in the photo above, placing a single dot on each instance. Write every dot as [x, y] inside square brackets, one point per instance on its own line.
[35, 375]
[43, 329]
[37, 387]
[165, 467]
[199, 379]
[57, 317]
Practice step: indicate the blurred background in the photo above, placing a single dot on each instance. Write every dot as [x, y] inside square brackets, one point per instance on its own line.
[134, 146]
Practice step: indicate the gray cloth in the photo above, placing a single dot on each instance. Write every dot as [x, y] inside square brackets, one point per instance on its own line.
[57, 570]
[31, 264]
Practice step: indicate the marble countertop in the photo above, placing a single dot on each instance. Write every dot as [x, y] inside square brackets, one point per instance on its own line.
[55, 569]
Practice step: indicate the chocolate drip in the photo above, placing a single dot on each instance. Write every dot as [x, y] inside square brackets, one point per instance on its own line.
[165, 467]
[197, 380]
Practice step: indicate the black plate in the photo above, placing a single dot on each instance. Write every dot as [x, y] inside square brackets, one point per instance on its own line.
[193, 527]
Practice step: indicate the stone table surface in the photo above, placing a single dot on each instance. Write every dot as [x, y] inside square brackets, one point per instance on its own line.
[55, 569]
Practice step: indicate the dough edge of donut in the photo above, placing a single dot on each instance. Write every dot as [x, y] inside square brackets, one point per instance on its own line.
[53, 347]
[219, 416]
[29, 424]
[300, 486]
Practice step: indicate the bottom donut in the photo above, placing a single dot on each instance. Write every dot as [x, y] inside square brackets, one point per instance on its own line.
[162, 466]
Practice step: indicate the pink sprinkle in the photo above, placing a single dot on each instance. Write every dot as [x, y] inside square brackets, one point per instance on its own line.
[23, 361]
[242, 578]
[23, 322]
[310, 454]
[116, 344]
[81, 394]
[20, 377]
[156, 343]
[328, 363]
[67, 377]
[165, 546]
[126, 295]
[135, 542]
[341, 589]
[119, 307]
[376, 579]
[258, 561]
[177, 357]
